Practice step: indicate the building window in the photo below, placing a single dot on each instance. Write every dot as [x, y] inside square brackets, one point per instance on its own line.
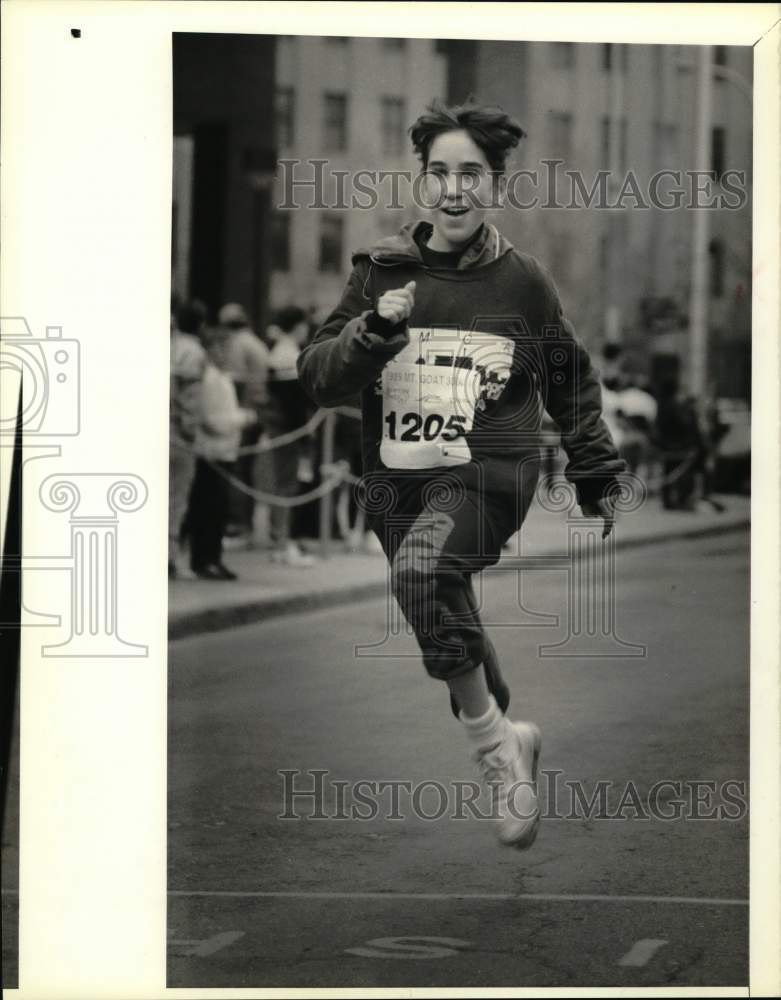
[394, 43]
[562, 55]
[393, 122]
[280, 241]
[623, 138]
[335, 113]
[331, 242]
[716, 252]
[560, 135]
[623, 142]
[718, 145]
[666, 143]
[285, 114]
[608, 56]
[560, 259]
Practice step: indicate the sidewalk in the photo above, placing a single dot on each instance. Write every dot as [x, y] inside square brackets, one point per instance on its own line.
[265, 589]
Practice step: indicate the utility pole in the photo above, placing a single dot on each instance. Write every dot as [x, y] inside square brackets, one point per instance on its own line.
[616, 229]
[698, 302]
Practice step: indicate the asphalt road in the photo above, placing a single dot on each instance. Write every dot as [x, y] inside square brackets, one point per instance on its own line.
[621, 897]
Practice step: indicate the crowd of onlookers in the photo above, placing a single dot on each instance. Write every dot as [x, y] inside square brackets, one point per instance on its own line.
[234, 393]
[667, 437]
[231, 390]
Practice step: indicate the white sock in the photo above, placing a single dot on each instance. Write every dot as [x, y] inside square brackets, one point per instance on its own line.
[486, 730]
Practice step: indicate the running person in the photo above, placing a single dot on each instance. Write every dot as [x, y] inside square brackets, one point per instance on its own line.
[456, 342]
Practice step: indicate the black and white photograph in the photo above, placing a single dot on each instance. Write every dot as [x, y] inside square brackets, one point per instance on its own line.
[456, 679]
[460, 492]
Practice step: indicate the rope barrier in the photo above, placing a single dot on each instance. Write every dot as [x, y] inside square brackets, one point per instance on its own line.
[689, 459]
[287, 438]
[305, 429]
[272, 499]
[338, 473]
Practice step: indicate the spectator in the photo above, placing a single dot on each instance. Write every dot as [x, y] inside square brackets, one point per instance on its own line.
[612, 366]
[714, 431]
[187, 367]
[247, 358]
[217, 445]
[677, 434]
[289, 408]
[637, 410]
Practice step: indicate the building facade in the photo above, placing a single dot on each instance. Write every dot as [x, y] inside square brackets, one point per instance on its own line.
[260, 121]
[224, 159]
[346, 102]
[625, 275]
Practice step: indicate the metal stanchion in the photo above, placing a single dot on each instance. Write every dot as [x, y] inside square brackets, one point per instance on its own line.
[326, 502]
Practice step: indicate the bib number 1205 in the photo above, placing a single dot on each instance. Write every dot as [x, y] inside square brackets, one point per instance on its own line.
[413, 427]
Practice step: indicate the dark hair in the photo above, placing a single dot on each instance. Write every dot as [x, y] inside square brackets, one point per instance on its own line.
[191, 316]
[489, 127]
[288, 318]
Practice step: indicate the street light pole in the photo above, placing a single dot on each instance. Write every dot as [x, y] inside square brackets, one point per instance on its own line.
[698, 303]
[616, 232]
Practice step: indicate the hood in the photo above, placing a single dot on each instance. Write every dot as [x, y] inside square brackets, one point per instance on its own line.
[401, 248]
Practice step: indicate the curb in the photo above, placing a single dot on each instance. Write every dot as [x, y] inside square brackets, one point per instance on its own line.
[232, 616]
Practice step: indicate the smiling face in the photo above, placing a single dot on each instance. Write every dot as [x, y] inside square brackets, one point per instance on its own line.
[460, 185]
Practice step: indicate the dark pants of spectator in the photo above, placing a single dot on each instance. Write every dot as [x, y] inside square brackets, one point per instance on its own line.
[678, 488]
[242, 505]
[208, 513]
[284, 464]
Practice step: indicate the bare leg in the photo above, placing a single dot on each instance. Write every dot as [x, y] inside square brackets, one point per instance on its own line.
[471, 692]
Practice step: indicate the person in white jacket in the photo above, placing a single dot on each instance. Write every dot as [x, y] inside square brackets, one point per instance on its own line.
[217, 441]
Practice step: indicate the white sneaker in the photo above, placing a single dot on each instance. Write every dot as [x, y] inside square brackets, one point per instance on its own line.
[291, 555]
[510, 769]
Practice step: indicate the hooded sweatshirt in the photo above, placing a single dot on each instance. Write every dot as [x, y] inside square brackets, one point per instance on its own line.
[462, 384]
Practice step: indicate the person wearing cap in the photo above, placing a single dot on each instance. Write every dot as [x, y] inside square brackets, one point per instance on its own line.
[248, 364]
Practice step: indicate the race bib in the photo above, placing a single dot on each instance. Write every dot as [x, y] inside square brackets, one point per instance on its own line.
[431, 391]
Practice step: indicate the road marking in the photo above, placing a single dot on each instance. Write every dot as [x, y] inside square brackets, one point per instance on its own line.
[476, 897]
[191, 946]
[409, 947]
[641, 952]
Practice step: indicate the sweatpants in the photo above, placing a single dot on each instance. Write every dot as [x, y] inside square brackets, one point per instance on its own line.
[437, 532]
